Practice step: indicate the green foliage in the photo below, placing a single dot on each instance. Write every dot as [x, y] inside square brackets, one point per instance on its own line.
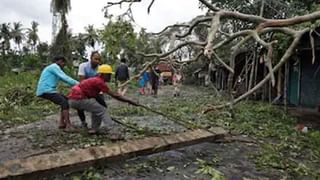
[32, 34]
[207, 169]
[91, 36]
[33, 61]
[282, 45]
[89, 174]
[78, 45]
[281, 146]
[43, 52]
[12, 36]
[272, 8]
[262, 120]
[118, 35]
[18, 103]
[297, 154]
[62, 43]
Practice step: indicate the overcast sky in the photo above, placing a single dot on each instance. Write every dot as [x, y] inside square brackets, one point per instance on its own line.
[84, 12]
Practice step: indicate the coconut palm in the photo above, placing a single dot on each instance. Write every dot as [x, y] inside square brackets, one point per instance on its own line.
[61, 40]
[5, 37]
[59, 8]
[91, 36]
[32, 34]
[17, 34]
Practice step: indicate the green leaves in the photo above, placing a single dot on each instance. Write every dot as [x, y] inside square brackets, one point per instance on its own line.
[89, 174]
[208, 169]
[118, 35]
[18, 103]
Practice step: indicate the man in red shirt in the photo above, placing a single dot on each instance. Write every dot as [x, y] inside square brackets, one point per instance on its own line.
[82, 97]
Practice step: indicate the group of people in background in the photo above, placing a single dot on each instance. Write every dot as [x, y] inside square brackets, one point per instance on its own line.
[149, 81]
[87, 94]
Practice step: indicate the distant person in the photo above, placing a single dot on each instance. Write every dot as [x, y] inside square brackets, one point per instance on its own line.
[177, 83]
[154, 80]
[47, 89]
[82, 97]
[144, 79]
[142, 84]
[147, 78]
[122, 75]
[161, 80]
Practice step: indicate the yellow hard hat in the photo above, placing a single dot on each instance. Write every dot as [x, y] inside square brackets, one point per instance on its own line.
[105, 69]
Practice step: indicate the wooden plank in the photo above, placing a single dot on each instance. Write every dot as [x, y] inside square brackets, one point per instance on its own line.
[70, 161]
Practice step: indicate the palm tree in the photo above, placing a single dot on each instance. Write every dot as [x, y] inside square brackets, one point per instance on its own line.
[62, 40]
[17, 34]
[33, 37]
[59, 8]
[5, 37]
[91, 36]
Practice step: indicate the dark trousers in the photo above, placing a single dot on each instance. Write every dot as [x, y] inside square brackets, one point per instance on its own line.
[99, 99]
[58, 99]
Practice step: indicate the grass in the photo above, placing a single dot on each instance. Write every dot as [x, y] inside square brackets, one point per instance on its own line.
[295, 154]
[18, 103]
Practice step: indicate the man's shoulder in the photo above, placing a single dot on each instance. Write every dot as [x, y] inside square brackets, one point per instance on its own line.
[83, 64]
[52, 66]
[123, 65]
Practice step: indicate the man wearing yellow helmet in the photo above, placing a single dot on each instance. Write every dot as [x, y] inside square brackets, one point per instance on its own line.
[82, 97]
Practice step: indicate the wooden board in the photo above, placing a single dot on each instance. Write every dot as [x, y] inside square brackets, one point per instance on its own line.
[70, 161]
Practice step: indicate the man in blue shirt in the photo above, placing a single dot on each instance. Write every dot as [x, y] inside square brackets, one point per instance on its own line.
[47, 89]
[89, 69]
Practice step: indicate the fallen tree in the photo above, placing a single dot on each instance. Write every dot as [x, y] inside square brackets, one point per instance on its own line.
[258, 32]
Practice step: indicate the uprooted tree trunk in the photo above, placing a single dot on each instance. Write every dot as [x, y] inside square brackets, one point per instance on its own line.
[261, 26]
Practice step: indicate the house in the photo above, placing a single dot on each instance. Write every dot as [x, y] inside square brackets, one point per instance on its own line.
[304, 75]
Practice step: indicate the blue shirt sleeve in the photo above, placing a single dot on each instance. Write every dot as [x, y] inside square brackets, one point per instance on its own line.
[65, 78]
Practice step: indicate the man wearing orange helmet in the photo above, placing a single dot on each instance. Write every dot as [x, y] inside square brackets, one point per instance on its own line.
[82, 97]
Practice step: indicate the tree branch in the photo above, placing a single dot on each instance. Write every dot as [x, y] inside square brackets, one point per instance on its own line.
[140, 73]
[283, 60]
[169, 27]
[196, 58]
[231, 38]
[269, 55]
[150, 5]
[211, 35]
[120, 2]
[290, 21]
[193, 25]
[174, 49]
[223, 63]
[312, 46]
[242, 16]
[209, 5]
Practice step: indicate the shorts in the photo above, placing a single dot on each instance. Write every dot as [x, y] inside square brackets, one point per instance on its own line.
[57, 98]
